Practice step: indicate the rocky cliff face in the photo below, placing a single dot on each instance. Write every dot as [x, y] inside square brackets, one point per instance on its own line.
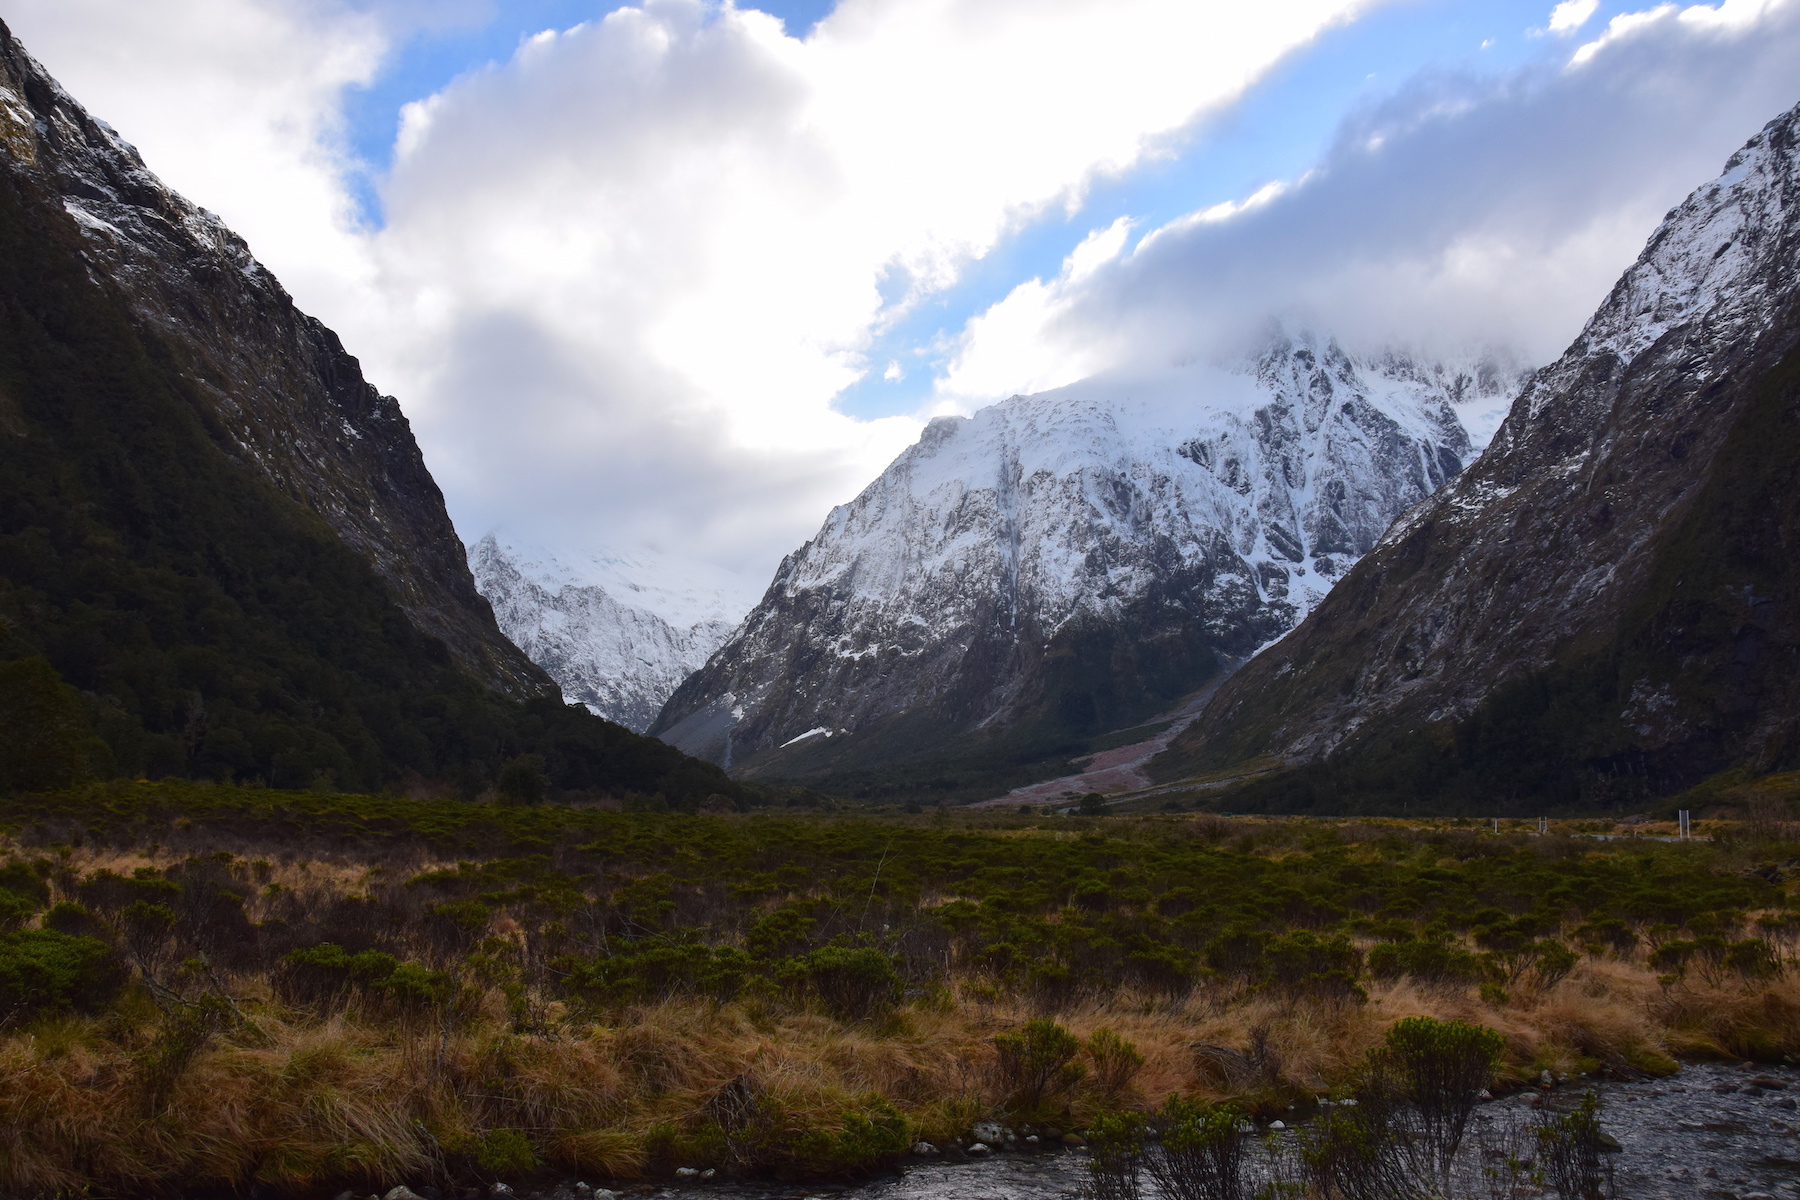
[620, 660]
[1069, 561]
[1601, 606]
[288, 401]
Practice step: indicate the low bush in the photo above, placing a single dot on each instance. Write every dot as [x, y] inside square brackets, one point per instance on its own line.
[1037, 1062]
[1572, 1153]
[853, 984]
[1431, 961]
[1115, 1170]
[1437, 1070]
[1116, 1062]
[1203, 1153]
[42, 970]
[328, 976]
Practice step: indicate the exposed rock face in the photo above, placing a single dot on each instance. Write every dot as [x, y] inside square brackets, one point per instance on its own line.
[1606, 591]
[620, 660]
[1071, 560]
[286, 397]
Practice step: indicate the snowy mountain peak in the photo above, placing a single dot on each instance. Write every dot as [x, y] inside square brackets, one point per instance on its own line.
[1617, 546]
[1204, 503]
[619, 657]
[1720, 253]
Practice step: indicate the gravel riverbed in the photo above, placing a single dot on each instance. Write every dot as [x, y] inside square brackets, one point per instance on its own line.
[1715, 1131]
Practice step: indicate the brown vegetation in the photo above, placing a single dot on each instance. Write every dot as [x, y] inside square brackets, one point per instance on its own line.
[215, 1068]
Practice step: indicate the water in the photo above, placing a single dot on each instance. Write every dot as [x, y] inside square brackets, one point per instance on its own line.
[1684, 1138]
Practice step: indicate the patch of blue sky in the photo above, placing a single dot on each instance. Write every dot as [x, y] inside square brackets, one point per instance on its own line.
[1277, 131]
[436, 55]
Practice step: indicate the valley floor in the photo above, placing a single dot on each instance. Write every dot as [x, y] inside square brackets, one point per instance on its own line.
[212, 988]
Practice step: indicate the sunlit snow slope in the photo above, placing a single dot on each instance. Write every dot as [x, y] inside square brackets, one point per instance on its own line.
[616, 632]
[1066, 562]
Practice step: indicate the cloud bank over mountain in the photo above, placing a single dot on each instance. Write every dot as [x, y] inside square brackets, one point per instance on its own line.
[1464, 210]
[622, 273]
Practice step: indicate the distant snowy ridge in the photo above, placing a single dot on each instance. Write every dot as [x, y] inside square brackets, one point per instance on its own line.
[621, 660]
[1209, 504]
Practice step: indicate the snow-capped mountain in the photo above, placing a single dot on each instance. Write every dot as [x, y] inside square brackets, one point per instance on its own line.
[1072, 559]
[618, 633]
[1620, 557]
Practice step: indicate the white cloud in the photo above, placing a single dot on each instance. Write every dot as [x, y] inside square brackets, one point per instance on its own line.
[696, 214]
[624, 274]
[1571, 15]
[235, 104]
[1463, 211]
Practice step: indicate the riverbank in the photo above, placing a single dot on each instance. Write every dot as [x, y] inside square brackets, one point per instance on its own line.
[306, 993]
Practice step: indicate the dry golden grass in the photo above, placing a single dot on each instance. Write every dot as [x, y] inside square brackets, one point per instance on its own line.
[293, 1101]
[297, 1100]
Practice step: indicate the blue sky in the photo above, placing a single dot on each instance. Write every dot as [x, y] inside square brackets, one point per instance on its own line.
[637, 286]
[1277, 131]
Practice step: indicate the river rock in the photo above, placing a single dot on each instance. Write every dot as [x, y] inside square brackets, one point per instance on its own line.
[500, 1192]
[990, 1132]
[686, 1172]
[402, 1192]
[979, 1149]
[925, 1150]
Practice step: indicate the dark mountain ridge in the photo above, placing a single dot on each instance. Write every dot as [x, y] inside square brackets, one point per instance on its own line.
[1021, 584]
[221, 554]
[1605, 607]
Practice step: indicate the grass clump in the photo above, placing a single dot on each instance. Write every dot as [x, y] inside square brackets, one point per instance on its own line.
[312, 991]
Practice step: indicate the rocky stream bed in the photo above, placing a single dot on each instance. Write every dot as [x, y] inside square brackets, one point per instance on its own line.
[1715, 1131]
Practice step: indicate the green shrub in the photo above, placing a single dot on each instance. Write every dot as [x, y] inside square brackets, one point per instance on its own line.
[42, 970]
[15, 909]
[1438, 1069]
[1752, 958]
[1430, 961]
[853, 983]
[1572, 1152]
[638, 973]
[1116, 1062]
[327, 975]
[1037, 1062]
[73, 919]
[1304, 964]
[506, 1152]
[1116, 1142]
[1205, 1149]
[871, 1134]
[1554, 962]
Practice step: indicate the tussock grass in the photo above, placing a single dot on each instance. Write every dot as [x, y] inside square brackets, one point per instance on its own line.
[460, 1040]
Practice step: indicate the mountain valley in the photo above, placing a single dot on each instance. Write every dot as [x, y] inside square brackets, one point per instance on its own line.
[1062, 565]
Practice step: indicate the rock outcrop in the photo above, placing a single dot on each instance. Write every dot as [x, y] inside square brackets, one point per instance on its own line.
[285, 397]
[620, 660]
[1603, 606]
[1066, 563]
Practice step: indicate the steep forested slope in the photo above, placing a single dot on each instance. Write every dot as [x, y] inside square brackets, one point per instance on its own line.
[203, 619]
[1605, 606]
